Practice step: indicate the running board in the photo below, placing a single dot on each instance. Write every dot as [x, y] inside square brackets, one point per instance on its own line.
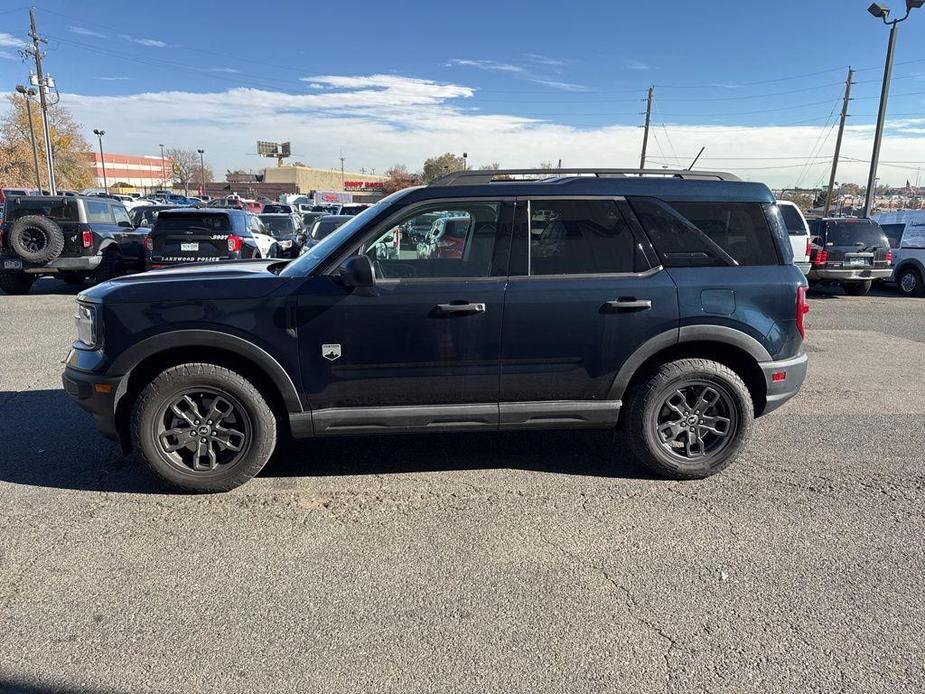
[552, 414]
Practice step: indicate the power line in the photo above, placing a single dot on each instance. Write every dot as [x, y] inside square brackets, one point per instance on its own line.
[749, 84]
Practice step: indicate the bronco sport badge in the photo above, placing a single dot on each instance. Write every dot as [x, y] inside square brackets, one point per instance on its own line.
[330, 352]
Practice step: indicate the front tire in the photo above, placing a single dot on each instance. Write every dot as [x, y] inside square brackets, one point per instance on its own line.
[15, 282]
[203, 427]
[857, 288]
[689, 419]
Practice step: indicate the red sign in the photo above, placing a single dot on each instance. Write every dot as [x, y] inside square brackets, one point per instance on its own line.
[363, 185]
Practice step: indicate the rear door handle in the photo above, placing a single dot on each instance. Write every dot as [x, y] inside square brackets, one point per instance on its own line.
[618, 305]
[458, 309]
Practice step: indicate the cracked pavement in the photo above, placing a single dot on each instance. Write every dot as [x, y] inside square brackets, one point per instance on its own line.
[542, 562]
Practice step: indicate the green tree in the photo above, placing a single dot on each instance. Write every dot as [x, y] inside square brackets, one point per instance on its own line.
[398, 178]
[435, 167]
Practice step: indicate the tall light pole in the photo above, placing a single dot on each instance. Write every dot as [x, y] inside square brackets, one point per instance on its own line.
[882, 12]
[43, 84]
[465, 161]
[99, 134]
[27, 94]
[202, 172]
[163, 168]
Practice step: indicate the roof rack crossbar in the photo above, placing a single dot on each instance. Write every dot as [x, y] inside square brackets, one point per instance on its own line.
[472, 177]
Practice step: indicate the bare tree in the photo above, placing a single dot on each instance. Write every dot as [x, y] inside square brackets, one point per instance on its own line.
[184, 164]
[399, 177]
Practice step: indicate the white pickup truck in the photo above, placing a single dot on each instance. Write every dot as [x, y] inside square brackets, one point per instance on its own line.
[906, 233]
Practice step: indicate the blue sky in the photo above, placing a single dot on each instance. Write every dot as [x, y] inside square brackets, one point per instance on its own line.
[757, 83]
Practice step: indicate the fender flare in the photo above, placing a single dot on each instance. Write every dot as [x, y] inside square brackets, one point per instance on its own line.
[107, 244]
[689, 333]
[155, 344]
[906, 262]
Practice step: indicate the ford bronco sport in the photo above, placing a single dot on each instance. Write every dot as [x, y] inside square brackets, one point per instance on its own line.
[664, 301]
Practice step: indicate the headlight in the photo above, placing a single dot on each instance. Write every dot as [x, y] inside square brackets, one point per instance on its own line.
[85, 319]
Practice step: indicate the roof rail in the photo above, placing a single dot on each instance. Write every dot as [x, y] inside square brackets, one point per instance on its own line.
[470, 177]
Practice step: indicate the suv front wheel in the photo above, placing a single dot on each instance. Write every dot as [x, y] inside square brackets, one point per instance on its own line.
[689, 418]
[203, 427]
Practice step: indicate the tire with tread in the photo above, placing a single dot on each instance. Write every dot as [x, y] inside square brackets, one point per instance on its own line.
[650, 393]
[914, 282]
[109, 268]
[33, 224]
[173, 381]
[15, 282]
[72, 278]
[857, 288]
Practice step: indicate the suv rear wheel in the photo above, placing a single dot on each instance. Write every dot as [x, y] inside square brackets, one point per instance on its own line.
[203, 427]
[910, 283]
[36, 239]
[14, 282]
[857, 288]
[689, 418]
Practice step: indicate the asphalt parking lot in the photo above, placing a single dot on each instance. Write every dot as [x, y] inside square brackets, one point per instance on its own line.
[492, 562]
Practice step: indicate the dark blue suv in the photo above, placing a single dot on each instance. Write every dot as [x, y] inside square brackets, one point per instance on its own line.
[663, 301]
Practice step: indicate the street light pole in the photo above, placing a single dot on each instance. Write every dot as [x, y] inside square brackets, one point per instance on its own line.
[882, 12]
[99, 134]
[26, 93]
[163, 168]
[202, 172]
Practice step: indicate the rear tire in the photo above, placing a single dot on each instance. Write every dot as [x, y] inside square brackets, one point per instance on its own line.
[910, 282]
[857, 288]
[689, 419]
[203, 427]
[72, 278]
[109, 268]
[15, 282]
[36, 239]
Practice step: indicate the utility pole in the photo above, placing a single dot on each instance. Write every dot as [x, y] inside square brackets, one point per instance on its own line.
[27, 94]
[202, 172]
[163, 168]
[645, 134]
[37, 54]
[342, 181]
[841, 131]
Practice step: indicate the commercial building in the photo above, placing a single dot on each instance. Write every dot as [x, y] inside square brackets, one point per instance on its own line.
[142, 172]
[364, 187]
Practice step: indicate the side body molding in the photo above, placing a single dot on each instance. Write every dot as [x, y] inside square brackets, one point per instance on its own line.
[140, 351]
[690, 333]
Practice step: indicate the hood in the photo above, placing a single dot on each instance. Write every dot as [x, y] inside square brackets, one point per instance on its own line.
[234, 279]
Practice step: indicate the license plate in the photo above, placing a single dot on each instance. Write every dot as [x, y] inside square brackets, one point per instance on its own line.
[856, 261]
[12, 265]
[189, 246]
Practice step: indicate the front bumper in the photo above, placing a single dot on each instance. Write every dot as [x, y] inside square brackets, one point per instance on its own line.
[859, 274]
[96, 394]
[783, 380]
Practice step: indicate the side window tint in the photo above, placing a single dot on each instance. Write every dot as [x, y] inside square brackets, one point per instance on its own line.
[120, 214]
[675, 241]
[437, 241]
[579, 237]
[739, 228]
[98, 212]
[913, 237]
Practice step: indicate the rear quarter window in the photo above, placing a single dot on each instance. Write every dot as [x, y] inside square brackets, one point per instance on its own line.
[739, 228]
[792, 220]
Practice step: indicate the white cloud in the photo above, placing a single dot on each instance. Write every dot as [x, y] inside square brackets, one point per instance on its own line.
[521, 72]
[154, 43]
[636, 65]
[490, 65]
[6, 55]
[380, 120]
[114, 79]
[224, 70]
[10, 41]
[545, 60]
[82, 31]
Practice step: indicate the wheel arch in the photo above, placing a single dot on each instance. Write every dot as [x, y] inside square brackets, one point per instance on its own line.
[910, 262]
[733, 348]
[149, 357]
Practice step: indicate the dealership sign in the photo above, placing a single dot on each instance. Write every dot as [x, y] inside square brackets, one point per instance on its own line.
[364, 185]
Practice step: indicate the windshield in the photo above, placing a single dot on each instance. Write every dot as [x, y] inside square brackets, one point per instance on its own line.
[863, 233]
[308, 261]
[278, 226]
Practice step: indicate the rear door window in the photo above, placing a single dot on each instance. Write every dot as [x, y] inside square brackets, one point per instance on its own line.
[120, 214]
[580, 237]
[677, 242]
[793, 220]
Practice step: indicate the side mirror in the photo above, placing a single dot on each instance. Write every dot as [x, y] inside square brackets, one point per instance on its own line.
[357, 271]
[125, 223]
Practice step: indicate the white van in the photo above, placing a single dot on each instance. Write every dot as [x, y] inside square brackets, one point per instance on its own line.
[799, 234]
[905, 231]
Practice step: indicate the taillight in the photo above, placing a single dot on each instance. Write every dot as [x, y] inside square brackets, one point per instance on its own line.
[86, 238]
[820, 257]
[149, 243]
[802, 309]
[809, 248]
[234, 244]
[889, 257]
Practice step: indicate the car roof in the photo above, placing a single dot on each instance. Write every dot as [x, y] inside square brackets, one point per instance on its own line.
[276, 214]
[335, 217]
[209, 210]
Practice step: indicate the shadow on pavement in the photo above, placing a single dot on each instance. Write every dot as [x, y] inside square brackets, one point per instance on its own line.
[47, 441]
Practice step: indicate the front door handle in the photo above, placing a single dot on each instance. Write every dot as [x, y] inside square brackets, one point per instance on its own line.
[628, 304]
[458, 309]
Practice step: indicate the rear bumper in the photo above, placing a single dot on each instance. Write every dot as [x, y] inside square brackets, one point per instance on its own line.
[783, 380]
[851, 274]
[79, 264]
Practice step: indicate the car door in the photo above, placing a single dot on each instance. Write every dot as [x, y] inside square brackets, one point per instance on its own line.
[427, 336]
[583, 295]
[130, 239]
